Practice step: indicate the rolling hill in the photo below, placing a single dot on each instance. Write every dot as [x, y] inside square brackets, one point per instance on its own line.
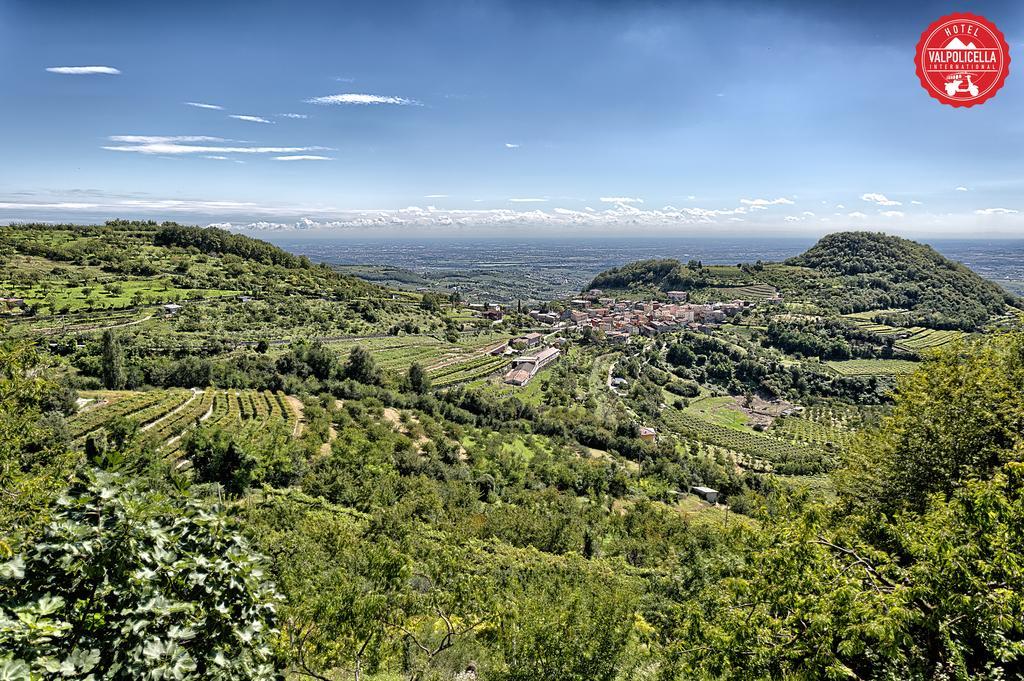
[908, 284]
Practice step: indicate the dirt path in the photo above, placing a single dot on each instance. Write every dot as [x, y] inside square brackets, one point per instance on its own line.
[195, 394]
[299, 411]
[86, 329]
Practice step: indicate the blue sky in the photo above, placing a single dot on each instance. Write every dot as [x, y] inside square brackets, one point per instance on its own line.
[494, 117]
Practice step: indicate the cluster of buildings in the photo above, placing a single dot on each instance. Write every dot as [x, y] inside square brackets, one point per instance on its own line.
[620, 319]
[525, 367]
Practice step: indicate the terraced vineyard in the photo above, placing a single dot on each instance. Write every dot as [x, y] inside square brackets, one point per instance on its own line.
[872, 367]
[753, 292]
[397, 353]
[168, 415]
[142, 407]
[784, 456]
[927, 339]
[908, 339]
[470, 370]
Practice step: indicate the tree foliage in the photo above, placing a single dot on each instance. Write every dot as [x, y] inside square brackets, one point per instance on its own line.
[125, 585]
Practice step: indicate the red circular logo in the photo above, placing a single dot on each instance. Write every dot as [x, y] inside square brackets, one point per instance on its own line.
[962, 59]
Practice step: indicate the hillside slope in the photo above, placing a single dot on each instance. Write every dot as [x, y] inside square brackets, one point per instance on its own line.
[882, 272]
[191, 257]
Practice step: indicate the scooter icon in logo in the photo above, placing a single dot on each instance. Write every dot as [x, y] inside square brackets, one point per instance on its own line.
[953, 87]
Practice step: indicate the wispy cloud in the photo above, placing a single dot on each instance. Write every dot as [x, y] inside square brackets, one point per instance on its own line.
[160, 139]
[204, 105]
[960, 189]
[857, 215]
[85, 70]
[175, 145]
[510, 145]
[250, 119]
[357, 98]
[995, 211]
[303, 157]
[621, 199]
[767, 202]
[880, 199]
[915, 202]
[217, 158]
[292, 115]
[891, 213]
[528, 200]
[436, 196]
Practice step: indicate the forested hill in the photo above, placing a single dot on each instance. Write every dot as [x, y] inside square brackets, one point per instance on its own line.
[879, 271]
[904, 282]
[187, 257]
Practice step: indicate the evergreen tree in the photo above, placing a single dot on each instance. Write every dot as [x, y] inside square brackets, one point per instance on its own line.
[419, 382]
[361, 367]
[113, 362]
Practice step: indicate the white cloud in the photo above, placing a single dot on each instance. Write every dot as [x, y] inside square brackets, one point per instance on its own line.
[217, 158]
[995, 211]
[250, 119]
[960, 189]
[791, 218]
[292, 115]
[509, 145]
[621, 199]
[173, 146]
[891, 213]
[84, 70]
[203, 105]
[528, 200]
[158, 139]
[915, 202]
[63, 205]
[761, 203]
[613, 218]
[880, 199]
[840, 206]
[808, 214]
[356, 98]
[303, 157]
[436, 196]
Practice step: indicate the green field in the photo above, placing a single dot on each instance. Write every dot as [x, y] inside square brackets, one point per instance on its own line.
[873, 367]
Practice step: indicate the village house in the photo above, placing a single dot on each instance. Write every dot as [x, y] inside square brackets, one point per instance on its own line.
[678, 296]
[11, 304]
[648, 434]
[494, 314]
[171, 309]
[530, 340]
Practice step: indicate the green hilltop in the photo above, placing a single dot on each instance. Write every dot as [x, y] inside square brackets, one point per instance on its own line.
[904, 282]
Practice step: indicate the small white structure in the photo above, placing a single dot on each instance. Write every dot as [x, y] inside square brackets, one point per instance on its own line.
[706, 493]
[171, 309]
